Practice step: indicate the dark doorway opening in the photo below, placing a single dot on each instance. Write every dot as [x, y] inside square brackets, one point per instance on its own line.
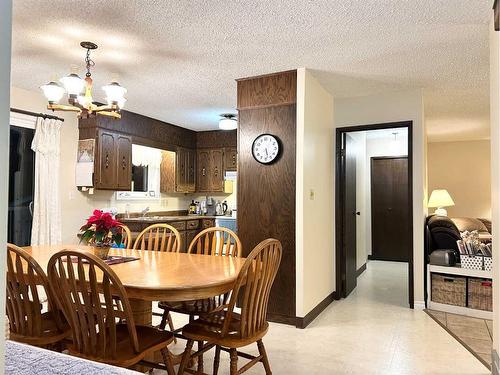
[346, 213]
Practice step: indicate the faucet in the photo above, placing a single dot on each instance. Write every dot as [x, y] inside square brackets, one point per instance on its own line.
[145, 211]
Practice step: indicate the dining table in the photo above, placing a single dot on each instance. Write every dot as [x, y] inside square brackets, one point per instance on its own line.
[160, 276]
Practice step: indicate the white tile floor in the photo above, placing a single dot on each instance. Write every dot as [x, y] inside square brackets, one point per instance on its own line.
[370, 332]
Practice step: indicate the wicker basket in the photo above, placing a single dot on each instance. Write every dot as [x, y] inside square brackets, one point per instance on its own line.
[480, 294]
[450, 290]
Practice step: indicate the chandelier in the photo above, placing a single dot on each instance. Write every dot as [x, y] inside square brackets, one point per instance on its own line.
[80, 92]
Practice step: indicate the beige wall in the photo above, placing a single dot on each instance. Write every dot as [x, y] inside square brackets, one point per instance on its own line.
[391, 107]
[315, 263]
[462, 168]
[495, 175]
[76, 206]
[5, 48]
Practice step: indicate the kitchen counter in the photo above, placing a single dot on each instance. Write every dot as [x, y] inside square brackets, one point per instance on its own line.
[165, 219]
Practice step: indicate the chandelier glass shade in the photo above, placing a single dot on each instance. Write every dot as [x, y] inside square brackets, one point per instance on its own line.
[228, 122]
[79, 92]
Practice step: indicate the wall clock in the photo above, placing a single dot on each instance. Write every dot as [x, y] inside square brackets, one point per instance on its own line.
[266, 148]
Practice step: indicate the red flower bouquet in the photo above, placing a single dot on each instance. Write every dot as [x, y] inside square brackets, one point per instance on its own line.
[101, 230]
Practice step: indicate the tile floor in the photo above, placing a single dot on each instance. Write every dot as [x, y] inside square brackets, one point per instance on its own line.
[475, 334]
[370, 332]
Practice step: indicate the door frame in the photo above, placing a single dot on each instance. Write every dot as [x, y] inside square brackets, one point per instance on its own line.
[340, 260]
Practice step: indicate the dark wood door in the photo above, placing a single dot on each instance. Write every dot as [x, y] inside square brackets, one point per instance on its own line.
[203, 170]
[106, 176]
[390, 205]
[124, 160]
[216, 170]
[230, 159]
[350, 215]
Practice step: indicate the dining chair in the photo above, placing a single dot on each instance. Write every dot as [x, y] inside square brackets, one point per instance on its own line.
[159, 237]
[227, 330]
[27, 287]
[214, 241]
[126, 236]
[83, 284]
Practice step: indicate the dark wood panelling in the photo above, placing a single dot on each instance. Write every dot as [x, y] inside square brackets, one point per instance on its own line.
[269, 90]
[266, 198]
[144, 130]
[216, 139]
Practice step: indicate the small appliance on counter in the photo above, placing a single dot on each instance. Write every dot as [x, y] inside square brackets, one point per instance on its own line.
[210, 207]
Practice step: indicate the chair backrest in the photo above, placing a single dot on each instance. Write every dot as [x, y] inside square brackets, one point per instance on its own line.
[26, 280]
[216, 241]
[253, 286]
[159, 237]
[93, 300]
[126, 236]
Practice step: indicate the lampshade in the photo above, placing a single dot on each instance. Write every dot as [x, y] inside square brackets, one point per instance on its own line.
[228, 122]
[73, 84]
[440, 198]
[114, 93]
[53, 92]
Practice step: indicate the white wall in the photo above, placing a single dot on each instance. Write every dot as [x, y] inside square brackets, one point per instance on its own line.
[495, 175]
[315, 263]
[464, 169]
[391, 107]
[5, 48]
[76, 206]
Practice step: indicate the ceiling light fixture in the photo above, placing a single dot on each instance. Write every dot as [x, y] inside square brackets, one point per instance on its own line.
[228, 122]
[80, 92]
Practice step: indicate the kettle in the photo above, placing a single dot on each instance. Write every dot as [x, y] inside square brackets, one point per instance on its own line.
[224, 207]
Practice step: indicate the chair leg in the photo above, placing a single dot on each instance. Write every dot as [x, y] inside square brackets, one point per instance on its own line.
[168, 361]
[265, 360]
[171, 325]
[216, 360]
[164, 319]
[200, 358]
[185, 357]
[234, 362]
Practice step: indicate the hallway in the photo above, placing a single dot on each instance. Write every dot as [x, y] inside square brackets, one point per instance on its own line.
[370, 332]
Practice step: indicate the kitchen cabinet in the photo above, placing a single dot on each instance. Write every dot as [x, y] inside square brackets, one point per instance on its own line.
[230, 159]
[177, 171]
[210, 176]
[203, 171]
[113, 162]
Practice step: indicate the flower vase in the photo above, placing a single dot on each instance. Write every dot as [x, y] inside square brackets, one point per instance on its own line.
[101, 251]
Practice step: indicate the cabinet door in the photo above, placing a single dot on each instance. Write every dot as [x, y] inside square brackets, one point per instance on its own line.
[203, 170]
[167, 172]
[216, 170]
[180, 170]
[105, 170]
[230, 159]
[124, 168]
[191, 171]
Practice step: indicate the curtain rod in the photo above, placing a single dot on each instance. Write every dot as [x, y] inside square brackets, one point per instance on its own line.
[43, 115]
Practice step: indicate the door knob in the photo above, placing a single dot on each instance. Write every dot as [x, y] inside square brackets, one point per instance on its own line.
[357, 213]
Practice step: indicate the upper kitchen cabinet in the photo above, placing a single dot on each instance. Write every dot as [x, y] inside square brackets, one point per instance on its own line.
[178, 171]
[112, 164]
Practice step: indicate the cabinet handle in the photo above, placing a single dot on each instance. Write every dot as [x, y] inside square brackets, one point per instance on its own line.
[234, 159]
[216, 172]
[203, 172]
[107, 161]
[124, 163]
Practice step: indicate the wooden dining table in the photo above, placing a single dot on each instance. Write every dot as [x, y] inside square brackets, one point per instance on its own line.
[161, 276]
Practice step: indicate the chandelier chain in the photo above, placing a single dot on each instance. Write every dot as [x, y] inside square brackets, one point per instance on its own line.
[89, 63]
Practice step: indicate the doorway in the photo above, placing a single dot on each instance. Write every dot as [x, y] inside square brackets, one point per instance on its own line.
[389, 216]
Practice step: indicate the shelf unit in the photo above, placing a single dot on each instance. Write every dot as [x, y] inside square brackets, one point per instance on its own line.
[457, 271]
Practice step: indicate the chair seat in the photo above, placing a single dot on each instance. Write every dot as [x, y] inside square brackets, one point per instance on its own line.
[50, 332]
[150, 340]
[209, 328]
[196, 307]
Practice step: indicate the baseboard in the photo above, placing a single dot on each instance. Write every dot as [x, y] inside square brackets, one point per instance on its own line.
[419, 305]
[495, 363]
[313, 314]
[361, 270]
[283, 319]
[374, 257]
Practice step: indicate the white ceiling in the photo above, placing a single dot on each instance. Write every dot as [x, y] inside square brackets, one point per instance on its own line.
[179, 58]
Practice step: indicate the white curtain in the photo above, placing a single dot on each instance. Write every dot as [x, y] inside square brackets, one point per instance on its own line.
[46, 228]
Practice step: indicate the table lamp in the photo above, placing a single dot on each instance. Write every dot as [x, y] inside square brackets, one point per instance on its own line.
[440, 198]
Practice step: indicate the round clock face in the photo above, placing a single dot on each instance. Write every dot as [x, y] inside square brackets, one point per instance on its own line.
[266, 148]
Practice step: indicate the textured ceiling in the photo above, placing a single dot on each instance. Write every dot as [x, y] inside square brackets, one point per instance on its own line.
[179, 58]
